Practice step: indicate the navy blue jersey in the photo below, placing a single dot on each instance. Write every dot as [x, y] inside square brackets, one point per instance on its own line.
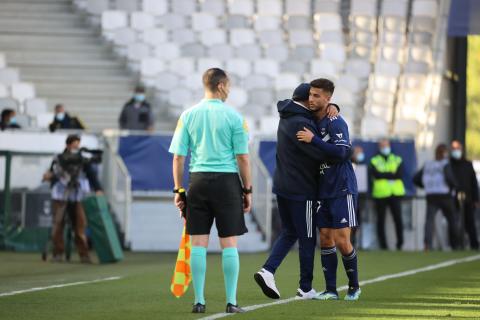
[335, 179]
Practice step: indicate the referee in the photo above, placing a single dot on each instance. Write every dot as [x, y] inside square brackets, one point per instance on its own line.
[217, 138]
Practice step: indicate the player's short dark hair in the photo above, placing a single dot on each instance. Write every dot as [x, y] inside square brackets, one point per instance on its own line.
[72, 138]
[324, 84]
[213, 77]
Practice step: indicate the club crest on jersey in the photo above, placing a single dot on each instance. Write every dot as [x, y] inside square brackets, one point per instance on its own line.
[339, 135]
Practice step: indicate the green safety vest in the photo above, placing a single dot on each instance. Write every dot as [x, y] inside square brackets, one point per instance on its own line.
[383, 188]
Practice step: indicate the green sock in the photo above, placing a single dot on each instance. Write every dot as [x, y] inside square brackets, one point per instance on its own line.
[198, 265]
[231, 267]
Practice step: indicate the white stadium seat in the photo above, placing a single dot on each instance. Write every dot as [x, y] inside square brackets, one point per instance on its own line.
[364, 23]
[269, 8]
[260, 97]
[298, 22]
[96, 7]
[172, 21]
[9, 76]
[240, 37]
[373, 127]
[221, 51]
[237, 97]
[241, 7]
[124, 36]
[327, 22]
[182, 66]
[326, 6]
[397, 8]
[287, 81]
[9, 103]
[264, 22]
[212, 37]
[43, 120]
[333, 52]
[166, 81]
[154, 36]
[193, 81]
[358, 67]
[271, 37]
[277, 52]
[298, 7]
[300, 67]
[151, 67]
[185, 7]
[387, 68]
[266, 67]
[395, 24]
[240, 67]
[425, 8]
[138, 51]
[3, 91]
[141, 20]
[184, 36]
[3, 62]
[303, 53]
[114, 20]
[258, 81]
[126, 5]
[155, 7]
[22, 91]
[300, 37]
[384, 83]
[167, 51]
[236, 21]
[207, 63]
[180, 97]
[323, 68]
[363, 8]
[269, 125]
[406, 127]
[203, 21]
[249, 52]
[216, 7]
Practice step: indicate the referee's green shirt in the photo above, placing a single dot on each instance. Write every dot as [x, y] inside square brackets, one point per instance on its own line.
[214, 133]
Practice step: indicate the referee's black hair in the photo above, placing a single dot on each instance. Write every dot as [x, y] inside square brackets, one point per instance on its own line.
[213, 77]
[324, 84]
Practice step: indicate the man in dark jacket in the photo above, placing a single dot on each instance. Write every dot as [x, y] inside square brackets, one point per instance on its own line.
[137, 113]
[62, 120]
[8, 120]
[295, 183]
[436, 177]
[467, 189]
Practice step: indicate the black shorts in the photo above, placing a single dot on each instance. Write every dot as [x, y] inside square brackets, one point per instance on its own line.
[219, 196]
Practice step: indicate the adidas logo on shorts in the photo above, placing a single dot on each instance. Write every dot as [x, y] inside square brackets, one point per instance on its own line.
[343, 220]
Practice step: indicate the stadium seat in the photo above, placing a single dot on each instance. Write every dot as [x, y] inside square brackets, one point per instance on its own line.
[323, 68]
[350, 83]
[167, 51]
[303, 53]
[184, 7]
[420, 54]
[363, 8]
[384, 83]
[126, 5]
[387, 68]
[240, 67]
[194, 50]
[271, 37]
[155, 7]
[236, 22]
[327, 22]
[193, 81]
[359, 68]
[215, 7]
[294, 66]
[298, 7]
[416, 67]
[373, 127]
[256, 81]
[96, 7]
[249, 52]
[360, 52]
[22, 91]
[182, 66]
[421, 38]
[336, 37]
[333, 52]
[9, 76]
[412, 81]
[342, 96]
[391, 54]
[287, 82]
[180, 97]
[9, 103]
[298, 22]
[172, 21]
[398, 8]
[112, 20]
[203, 21]
[237, 97]
[151, 67]
[141, 20]
[221, 51]
[425, 24]
[3, 62]
[269, 8]
[266, 67]
[276, 52]
[393, 38]
[260, 97]
[326, 6]
[300, 37]
[395, 24]
[138, 51]
[207, 63]
[363, 23]
[269, 125]
[241, 7]
[166, 81]
[156, 36]
[184, 36]
[267, 22]
[241, 37]
[35, 106]
[213, 37]
[43, 120]
[425, 8]
[124, 37]
[406, 128]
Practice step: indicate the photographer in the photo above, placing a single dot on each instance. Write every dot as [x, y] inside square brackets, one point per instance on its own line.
[72, 177]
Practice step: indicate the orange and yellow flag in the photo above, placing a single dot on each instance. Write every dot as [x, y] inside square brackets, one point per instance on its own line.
[182, 274]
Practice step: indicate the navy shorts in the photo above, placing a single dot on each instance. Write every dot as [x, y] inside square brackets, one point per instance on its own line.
[338, 213]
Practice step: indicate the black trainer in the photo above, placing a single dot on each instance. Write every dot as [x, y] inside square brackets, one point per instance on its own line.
[198, 308]
[231, 308]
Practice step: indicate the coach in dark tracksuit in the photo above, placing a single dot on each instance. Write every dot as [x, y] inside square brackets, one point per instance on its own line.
[295, 184]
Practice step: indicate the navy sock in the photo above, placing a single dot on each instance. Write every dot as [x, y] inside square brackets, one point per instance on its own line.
[351, 268]
[329, 265]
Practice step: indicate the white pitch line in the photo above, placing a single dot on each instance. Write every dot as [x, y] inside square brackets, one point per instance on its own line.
[362, 283]
[12, 293]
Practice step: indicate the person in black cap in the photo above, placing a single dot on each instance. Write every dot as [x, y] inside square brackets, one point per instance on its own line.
[295, 184]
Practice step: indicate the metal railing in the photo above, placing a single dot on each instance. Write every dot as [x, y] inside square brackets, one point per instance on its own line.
[118, 187]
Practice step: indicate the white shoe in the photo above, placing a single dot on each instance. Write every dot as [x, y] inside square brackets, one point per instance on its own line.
[305, 295]
[266, 281]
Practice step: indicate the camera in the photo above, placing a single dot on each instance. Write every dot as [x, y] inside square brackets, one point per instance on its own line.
[73, 163]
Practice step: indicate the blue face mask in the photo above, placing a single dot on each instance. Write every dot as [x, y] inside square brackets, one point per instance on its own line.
[360, 157]
[60, 116]
[456, 154]
[139, 97]
[385, 151]
[12, 120]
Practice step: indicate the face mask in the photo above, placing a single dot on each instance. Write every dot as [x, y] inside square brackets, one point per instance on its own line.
[139, 97]
[360, 157]
[456, 154]
[385, 151]
[75, 151]
[60, 116]
[12, 120]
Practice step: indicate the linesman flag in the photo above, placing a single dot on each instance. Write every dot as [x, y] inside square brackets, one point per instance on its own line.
[182, 274]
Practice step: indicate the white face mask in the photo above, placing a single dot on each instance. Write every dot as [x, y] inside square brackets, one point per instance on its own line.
[60, 116]
[457, 154]
[385, 151]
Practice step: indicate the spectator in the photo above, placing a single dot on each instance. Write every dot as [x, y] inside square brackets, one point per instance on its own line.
[137, 113]
[467, 190]
[63, 120]
[72, 179]
[9, 120]
[436, 177]
[386, 173]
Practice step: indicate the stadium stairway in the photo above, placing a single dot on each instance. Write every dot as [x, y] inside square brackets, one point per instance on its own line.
[66, 60]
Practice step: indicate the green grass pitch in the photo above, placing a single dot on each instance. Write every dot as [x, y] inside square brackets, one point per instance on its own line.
[143, 291]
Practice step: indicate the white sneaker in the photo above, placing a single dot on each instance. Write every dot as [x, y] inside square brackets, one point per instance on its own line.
[266, 281]
[305, 295]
